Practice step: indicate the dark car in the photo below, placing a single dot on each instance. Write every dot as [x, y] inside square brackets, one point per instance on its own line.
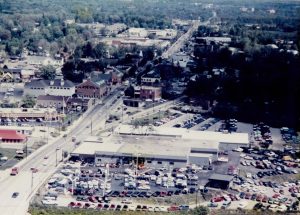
[170, 193]
[15, 195]
[242, 195]
[192, 190]
[177, 192]
[253, 197]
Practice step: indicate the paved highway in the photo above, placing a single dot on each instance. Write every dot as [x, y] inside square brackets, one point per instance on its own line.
[26, 182]
[175, 47]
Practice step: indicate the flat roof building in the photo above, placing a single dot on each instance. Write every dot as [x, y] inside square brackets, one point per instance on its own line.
[220, 181]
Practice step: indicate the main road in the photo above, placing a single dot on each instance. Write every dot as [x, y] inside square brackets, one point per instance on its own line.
[46, 160]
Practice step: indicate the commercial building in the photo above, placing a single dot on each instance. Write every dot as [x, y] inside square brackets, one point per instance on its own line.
[220, 181]
[57, 87]
[151, 151]
[45, 101]
[157, 147]
[27, 130]
[29, 113]
[227, 141]
[11, 136]
[150, 92]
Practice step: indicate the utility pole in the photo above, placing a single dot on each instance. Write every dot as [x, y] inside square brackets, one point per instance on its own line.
[91, 126]
[57, 149]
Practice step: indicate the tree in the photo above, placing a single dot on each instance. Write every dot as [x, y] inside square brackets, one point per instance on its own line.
[200, 210]
[28, 102]
[48, 72]
[129, 91]
[99, 50]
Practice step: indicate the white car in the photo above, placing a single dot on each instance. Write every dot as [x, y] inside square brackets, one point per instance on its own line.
[242, 205]
[238, 150]
[49, 202]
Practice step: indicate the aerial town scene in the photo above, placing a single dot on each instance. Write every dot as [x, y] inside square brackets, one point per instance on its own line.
[188, 107]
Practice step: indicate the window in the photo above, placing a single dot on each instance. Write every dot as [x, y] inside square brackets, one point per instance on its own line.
[171, 163]
[159, 162]
[149, 161]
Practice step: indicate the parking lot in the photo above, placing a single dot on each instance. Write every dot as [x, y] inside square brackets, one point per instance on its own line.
[81, 184]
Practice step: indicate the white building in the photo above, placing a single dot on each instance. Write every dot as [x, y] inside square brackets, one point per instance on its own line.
[43, 61]
[137, 32]
[57, 87]
[159, 147]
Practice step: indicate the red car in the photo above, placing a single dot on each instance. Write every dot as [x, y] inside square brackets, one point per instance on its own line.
[259, 198]
[173, 208]
[72, 204]
[265, 199]
[276, 195]
[248, 196]
[112, 207]
[163, 194]
[92, 199]
[217, 199]
[78, 205]
[99, 206]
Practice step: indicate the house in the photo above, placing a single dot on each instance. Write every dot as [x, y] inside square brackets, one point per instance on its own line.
[45, 101]
[92, 89]
[111, 76]
[27, 75]
[152, 78]
[6, 77]
[114, 29]
[57, 87]
[12, 136]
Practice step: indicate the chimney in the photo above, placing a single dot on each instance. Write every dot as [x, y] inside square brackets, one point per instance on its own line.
[62, 82]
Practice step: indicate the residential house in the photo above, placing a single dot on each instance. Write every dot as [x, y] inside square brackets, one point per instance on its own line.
[57, 87]
[152, 78]
[6, 77]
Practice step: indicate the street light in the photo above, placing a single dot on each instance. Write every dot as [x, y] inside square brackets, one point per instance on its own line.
[33, 170]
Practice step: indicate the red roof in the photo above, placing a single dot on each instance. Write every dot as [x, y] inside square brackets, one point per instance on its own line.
[11, 135]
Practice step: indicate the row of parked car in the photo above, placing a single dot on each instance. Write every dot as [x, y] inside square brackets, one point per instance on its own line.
[167, 119]
[128, 206]
[189, 123]
[289, 135]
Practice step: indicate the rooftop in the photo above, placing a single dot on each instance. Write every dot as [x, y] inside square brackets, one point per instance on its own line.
[50, 98]
[45, 83]
[219, 137]
[147, 146]
[11, 135]
[27, 110]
